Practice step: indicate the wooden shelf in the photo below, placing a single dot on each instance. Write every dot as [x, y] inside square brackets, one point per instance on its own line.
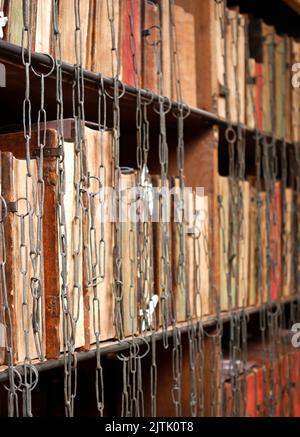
[11, 111]
[114, 346]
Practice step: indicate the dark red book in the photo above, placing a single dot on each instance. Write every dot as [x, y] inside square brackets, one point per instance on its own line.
[131, 42]
[251, 395]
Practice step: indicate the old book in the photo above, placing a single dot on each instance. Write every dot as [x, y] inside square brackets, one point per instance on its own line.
[179, 279]
[275, 242]
[295, 95]
[166, 47]
[261, 49]
[202, 224]
[98, 239]
[117, 52]
[67, 26]
[186, 90]
[268, 36]
[231, 63]
[20, 240]
[220, 95]
[252, 273]
[43, 33]
[287, 278]
[162, 255]
[263, 293]
[243, 247]
[13, 29]
[251, 93]
[280, 91]
[197, 264]
[288, 88]
[151, 49]
[15, 142]
[224, 241]
[130, 42]
[129, 252]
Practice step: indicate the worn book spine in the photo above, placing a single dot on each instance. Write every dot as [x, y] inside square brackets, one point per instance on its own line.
[130, 42]
[275, 242]
[129, 253]
[10, 248]
[243, 247]
[151, 49]
[186, 44]
[224, 235]
[178, 250]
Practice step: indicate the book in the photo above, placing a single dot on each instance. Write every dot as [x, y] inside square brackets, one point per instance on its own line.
[252, 273]
[129, 252]
[243, 247]
[179, 277]
[98, 239]
[275, 242]
[287, 277]
[224, 242]
[184, 78]
[151, 47]
[280, 89]
[79, 293]
[43, 38]
[269, 86]
[69, 35]
[20, 242]
[162, 252]
[197, 264]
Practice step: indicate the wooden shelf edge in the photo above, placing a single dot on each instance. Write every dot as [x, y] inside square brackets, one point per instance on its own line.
[115, 346]
[12, 55]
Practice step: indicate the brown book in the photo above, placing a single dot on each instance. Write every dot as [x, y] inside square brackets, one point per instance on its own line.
[252, 296]
[251, 93]
[43, 33]
[13, 30]
[20, 240]
[288, 88]
[15, 143]
[243, 247]
[129, 252]
[166, 47]
[161, 258]
[268, 88]
[151, 49]
[235, 64]
[98, 276]
[295, 96]
[223, 190]
[287, 279]
[179, 278]
[67, 25]
[186, 50]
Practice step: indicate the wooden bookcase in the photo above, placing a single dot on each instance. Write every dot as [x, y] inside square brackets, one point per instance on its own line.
[204, 148]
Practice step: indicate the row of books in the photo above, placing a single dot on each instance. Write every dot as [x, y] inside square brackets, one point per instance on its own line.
[279, 398]
[90, 268]
[254, 72]
[249, 278]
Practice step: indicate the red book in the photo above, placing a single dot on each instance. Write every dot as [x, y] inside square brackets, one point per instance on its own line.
[259, 394]
[296, 382]
[131, 42]
[251, 395]
[259, 95]
[275, 242]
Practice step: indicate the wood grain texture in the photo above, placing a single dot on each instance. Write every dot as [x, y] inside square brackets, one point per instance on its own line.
[43, 26]
[186, 47]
